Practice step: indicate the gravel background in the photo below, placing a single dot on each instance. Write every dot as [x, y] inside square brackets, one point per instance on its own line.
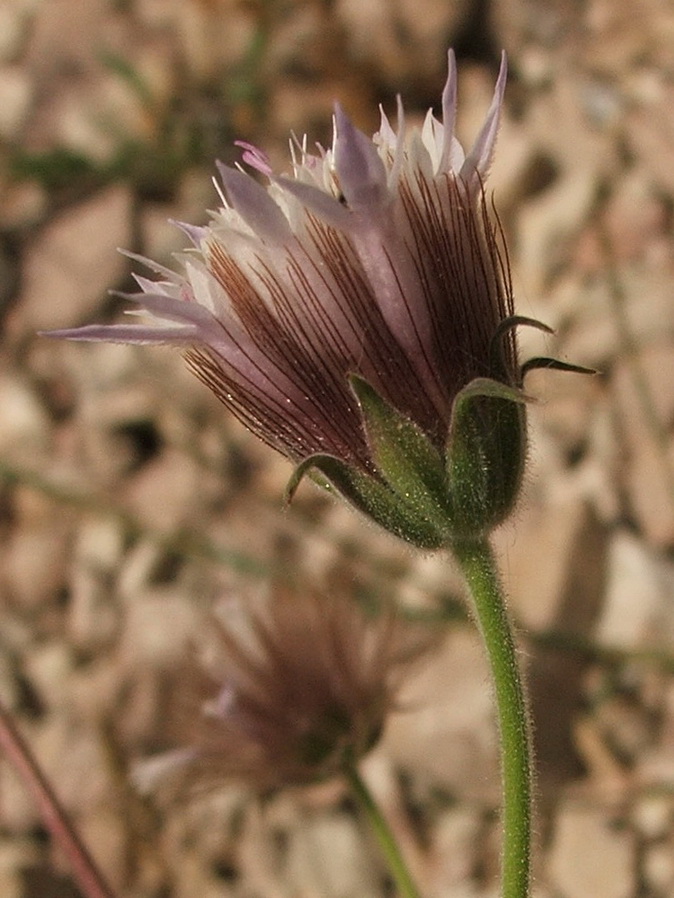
[130, 501]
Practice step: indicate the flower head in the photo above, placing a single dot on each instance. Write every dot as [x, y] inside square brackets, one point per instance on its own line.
[358, 316]
[298, 697]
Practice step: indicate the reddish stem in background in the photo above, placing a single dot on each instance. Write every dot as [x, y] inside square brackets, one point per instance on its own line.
[54, 816]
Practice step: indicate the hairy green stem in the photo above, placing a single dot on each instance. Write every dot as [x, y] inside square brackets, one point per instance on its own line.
[384, 836]
[479, 568]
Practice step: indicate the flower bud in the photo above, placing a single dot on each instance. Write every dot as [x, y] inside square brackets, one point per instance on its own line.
[296, 697]
[358, 316]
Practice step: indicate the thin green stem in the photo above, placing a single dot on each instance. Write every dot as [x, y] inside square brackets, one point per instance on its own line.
[479, 569]
[384, 836]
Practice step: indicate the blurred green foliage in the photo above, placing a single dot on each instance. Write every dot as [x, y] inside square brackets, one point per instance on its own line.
[189, 130]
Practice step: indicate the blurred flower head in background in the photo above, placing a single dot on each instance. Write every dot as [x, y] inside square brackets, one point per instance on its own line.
[296, 692]
[343, 312]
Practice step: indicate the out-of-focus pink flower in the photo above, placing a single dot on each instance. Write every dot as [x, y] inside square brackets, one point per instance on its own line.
[296, 697]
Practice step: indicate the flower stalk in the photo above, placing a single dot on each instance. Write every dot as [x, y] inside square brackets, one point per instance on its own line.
[480, 571]
[358, 315]
[86, 873]
[387, 841]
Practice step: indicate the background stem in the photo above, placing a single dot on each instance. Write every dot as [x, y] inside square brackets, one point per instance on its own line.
[384, 836]
[54, 817]
[479, 568]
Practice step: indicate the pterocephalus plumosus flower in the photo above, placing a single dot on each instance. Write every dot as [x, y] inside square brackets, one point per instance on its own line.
[358, 316]
[297, 694]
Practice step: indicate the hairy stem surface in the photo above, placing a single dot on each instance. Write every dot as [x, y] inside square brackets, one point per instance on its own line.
[479, 568]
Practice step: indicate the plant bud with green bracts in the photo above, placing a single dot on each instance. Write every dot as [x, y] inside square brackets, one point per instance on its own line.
[357, 314]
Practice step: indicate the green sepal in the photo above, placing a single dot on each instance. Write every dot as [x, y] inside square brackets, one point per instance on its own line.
[486, 452]
[553, 365]
[370, 495]
[403, 454]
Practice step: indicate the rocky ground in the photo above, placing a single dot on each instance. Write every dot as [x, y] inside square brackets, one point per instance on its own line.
[129, 500]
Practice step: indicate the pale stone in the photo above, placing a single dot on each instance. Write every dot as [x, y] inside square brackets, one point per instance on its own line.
[537, 553]
[647, 479]
[650, 474]
[49, 668]
[100, 544]
[74, 261]
[158, 628]
[549, 222]
[161, 507]
[14, 23]
[427, 23]
[659, 868]
[510, 171]
[589, 856]
[668, 719]
[446, 732]
[18, 811]
[15, 97]
[328, 854]
[657, 766]
[601, 765]
[88, 119]
[24, 205]
[35, 565]
[93, 617]
[591, 335]
[568, 405]
[113, 400]
[106, 833]
[377, 36]
[656, 364]
[209, 33]
[191, 877]
[638, 222]
[66, 32]
[25, 424]
[139, 564]
[97, 690]
[649, 131]
[454, 849]
[625, 727]
[161, 237]
[15, 855]
[9, 688]
[652, 815]
[636, 594]
[64, 751]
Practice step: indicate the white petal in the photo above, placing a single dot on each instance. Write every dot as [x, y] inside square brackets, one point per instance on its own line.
[432, 135]
[127, 333]
[479, 158]
[361, 172]
[254, 205]
[152, 265]
[448, 114]
[316, 200]
[194, 232]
